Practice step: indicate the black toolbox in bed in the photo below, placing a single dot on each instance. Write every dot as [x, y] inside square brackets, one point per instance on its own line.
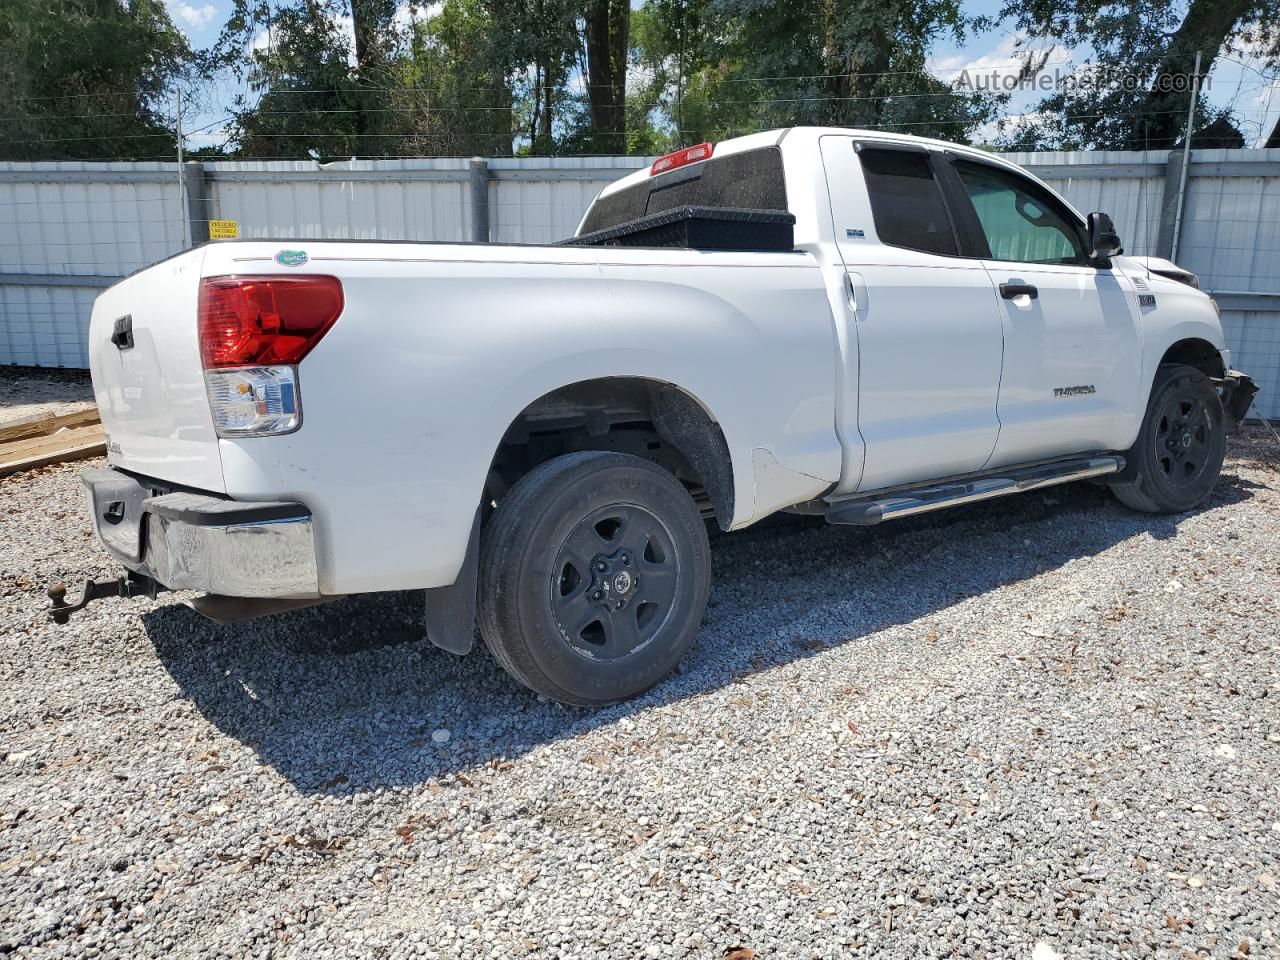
[699, 228]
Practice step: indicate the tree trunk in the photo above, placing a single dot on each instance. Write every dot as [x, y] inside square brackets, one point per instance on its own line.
[549, 83]
[362, 28]
[857, 65]
[500, 97]
[1205, 28]
[536, 112]
[608, 27]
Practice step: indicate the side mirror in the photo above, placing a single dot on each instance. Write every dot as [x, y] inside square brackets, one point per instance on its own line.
[1104, 242]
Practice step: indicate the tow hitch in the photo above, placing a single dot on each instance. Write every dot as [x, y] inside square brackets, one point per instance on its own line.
[130, 585]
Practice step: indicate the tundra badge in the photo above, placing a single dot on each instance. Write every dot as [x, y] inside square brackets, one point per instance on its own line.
[1074, 391]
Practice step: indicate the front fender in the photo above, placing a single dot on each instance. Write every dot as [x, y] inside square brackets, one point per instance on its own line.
[1180, 314]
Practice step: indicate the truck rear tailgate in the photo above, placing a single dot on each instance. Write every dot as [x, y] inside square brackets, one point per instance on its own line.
[144, 352]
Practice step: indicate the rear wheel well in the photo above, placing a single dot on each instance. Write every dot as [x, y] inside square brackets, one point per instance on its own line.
[656, 421]
[1197, 353]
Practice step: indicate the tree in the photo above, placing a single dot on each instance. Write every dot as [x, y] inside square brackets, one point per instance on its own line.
[546, 46]
[607, 37]
[374, 38]
[1136, 91]
[309, 101]
[458, 80]
[319, 92]
[88, 79]
[743, 65]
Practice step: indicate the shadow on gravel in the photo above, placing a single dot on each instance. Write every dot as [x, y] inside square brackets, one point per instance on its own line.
[345, 698]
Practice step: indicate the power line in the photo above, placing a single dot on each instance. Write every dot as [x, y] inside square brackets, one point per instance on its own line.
[364, 87]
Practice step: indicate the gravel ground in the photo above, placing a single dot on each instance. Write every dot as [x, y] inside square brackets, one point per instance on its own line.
[1038, 727]
[27, 391]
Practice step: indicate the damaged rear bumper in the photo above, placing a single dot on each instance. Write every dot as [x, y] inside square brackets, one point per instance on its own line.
[186, 540]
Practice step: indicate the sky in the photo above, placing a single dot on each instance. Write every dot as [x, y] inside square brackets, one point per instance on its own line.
[1239, 84]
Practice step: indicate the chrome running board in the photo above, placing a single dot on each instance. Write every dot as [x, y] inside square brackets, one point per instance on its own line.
[866, 509]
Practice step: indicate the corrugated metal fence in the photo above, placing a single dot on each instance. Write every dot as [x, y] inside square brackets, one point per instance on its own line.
[69, 229]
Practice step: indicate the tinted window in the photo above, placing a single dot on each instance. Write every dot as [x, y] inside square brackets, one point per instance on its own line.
[906, 201]
[1020, 220]
[752, 179]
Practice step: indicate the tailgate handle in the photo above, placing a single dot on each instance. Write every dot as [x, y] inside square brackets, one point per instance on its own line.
[122, 332]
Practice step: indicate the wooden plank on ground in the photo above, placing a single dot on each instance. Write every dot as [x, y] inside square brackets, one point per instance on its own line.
[42, 424]
[41, 451]
[63, 438]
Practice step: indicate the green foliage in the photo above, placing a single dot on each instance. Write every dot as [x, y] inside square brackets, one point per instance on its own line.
[1135, 91]
[88, 79]
[456, 81]
[726, 67]
[309, 101]
[333, 79]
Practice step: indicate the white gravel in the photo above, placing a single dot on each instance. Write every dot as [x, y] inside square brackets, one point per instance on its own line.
[1038, 727]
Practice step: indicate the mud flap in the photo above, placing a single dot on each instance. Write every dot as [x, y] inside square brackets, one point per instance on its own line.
[450, 616]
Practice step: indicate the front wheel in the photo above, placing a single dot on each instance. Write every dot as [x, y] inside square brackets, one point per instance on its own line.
[1178, 455]
[594, 575]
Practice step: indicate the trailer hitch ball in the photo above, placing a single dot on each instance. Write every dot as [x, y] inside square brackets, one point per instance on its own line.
[60, 610]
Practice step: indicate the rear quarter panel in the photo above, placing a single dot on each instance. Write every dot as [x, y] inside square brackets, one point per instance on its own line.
[440, 347]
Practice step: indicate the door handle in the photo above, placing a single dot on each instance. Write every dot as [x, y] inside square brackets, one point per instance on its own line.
[855, 289]
[1011, 290]
[122, 332]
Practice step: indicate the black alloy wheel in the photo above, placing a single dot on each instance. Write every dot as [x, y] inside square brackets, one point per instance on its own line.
[1181, 439]
[1178, 455]
[615, 581]
[594, 575]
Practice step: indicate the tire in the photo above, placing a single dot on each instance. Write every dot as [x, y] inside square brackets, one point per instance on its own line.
[594, 575]
[1177, 457]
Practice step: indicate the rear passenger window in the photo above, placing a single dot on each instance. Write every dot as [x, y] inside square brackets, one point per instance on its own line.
[906, 201]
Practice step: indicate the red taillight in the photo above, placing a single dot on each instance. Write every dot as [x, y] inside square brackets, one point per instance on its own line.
[264, 320]
[681, 157]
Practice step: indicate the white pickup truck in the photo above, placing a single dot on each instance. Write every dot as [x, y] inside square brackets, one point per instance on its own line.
[860, 325]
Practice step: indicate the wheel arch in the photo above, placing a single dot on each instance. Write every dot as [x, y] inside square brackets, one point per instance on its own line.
[627, 413]
[1195, 352]
[660, 421]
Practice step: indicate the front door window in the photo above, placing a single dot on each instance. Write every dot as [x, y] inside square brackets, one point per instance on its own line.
[1020, 221]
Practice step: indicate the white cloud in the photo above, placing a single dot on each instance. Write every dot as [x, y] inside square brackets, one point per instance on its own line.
[406, 15]
[1008, 125]
[194, 17]
[213, 137]
[998, 67]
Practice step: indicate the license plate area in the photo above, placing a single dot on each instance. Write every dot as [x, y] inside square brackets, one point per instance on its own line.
[115, 500]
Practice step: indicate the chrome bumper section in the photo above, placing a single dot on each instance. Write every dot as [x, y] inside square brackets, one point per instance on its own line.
[193, 541]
